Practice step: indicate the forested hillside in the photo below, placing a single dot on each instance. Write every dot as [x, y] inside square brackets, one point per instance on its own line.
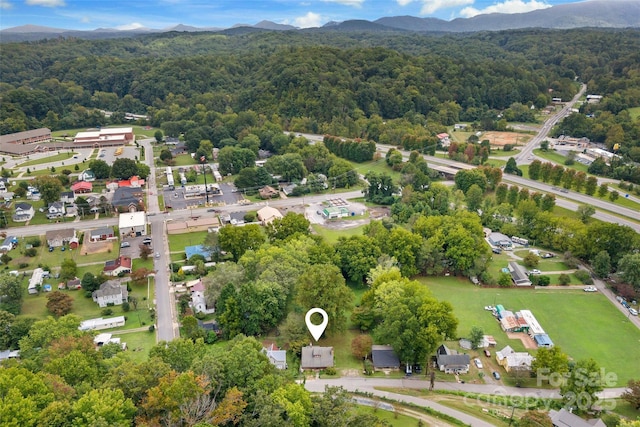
[317, 81]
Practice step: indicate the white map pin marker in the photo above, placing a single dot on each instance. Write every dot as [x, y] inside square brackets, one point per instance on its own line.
[316, 330]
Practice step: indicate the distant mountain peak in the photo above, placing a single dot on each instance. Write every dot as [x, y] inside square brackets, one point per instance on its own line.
[269, 25]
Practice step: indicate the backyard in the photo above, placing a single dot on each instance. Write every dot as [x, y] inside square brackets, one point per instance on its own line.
[608, 339]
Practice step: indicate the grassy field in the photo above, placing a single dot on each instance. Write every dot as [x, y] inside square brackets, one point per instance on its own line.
[184, 160]
[564, 314]
[634, 112]
[496, 163]
[495, 152]
[394, 419]
[379, 166]
[139, 344]
[331, 236]
[49, 159]
[554, 157]
[177, 242]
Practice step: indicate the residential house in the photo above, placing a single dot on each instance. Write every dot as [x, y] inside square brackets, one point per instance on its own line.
[56, 238]
[81, 187]
[100, 323]
[198, 300]
[384, 358]
[511, 360]
[315, 358]
[268, 192]
[288, 189]
[460, 126]
[74, 284]
[277, 357]
[268, 214]
[122, 264]
[564, 418]
[128, 199]
[133, 224]
[35, 281]
[444, 139]
[451, 362]
[133, 182]
[519, 274]
[67, 197]
[500, 240]
[24, 212]
[106, 338]
[56, 210]
[9, 354]
[111, 292]
[33, 194]
[9, 243]
[87, 175]
[102, 233]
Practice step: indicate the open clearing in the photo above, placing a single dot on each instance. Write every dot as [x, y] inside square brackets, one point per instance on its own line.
[583, 324]
[500, 139]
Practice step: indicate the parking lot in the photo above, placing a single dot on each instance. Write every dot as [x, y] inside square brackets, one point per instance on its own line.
[128, 152]
[177, 201]
[133, 251]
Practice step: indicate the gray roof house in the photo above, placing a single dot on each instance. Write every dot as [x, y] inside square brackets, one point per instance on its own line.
[55, 210]
[277, 357]
[57, 238]
[111, 291]
[67, 197]
[564, 418]
[24, 212]
[450, 362]
[384, 358]
[127, 199]
[519, 274]
[316, 357]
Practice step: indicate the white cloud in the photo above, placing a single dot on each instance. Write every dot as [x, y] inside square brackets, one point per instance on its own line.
[132, 26]
[509, 6]
[309, 20]
[353, 3]
[430, 6]
[4, 4]
[46, 3]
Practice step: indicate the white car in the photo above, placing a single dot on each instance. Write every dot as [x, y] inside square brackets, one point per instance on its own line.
[535, 271]
[591, 289]
[633, 311]
[478, 363]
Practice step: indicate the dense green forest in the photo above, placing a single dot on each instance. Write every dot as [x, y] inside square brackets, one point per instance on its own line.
[350, 84]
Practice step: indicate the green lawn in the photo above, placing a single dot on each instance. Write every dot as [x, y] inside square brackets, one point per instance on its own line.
[634, 112]
[177, 242]
[379, 166]
[394, 419]
[139, 344]
[35, 305]
[584, 325]
[49, 159]
[184, 160]
[331, 236]
[501, 153]
[496, 163]
[554, 157]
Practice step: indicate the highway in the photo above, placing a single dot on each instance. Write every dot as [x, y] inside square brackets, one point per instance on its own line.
[526, 152]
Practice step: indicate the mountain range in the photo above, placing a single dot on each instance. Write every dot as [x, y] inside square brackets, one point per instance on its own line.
[592, 13]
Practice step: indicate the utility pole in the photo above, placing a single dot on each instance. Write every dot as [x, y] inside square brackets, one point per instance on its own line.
[203, 160]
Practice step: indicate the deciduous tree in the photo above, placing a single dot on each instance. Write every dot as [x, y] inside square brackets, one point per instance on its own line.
[59, 303]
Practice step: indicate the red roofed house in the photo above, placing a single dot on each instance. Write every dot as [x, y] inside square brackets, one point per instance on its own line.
[444, 139]
[82, 187]
[133, 182]
[119, 265]
[198, 300]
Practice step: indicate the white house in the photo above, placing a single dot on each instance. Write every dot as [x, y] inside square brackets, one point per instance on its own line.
[198, 300]
[100, 323]
[57, 238]
[512, 360]
[133, 224]
[277, 357]
[67, 197]
[111, 292]
[55, 210]
[24, 212]
[35, 281]
[87, 175]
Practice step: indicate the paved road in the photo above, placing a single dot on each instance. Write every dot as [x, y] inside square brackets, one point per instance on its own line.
[526, 152]
[167, 322]
[370, 385]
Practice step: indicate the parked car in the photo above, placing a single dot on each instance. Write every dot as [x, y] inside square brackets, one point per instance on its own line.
[51, 248]
[496, 375]
[633, 311]
[496, 250]
[535, 271]
[157, 254]
[487, 353]
[478, 363]
[125, 244]
[417, 369]
[591, 289]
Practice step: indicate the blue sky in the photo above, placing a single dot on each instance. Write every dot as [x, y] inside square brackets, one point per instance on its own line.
[92, 14]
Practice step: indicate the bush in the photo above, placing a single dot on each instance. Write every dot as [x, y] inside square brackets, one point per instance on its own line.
[107, 312]
[23, 265]
[507, 147]
[31, 252]
[34, 241]
[544, 280]
[531, 260]
[368, 367]
[211, 337]
[564, 279]
[250, 216]
[330, 371]
[584, 277]
[125, 306]
[152, 328]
